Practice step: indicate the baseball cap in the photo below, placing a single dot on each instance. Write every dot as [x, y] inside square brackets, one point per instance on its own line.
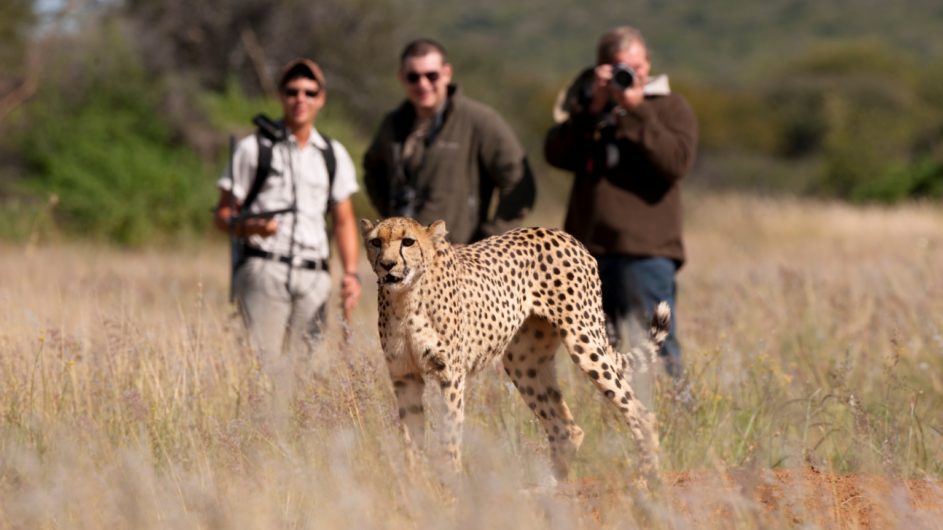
[301, 67]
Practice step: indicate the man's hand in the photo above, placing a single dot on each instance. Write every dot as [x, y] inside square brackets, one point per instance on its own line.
[228, 207]
[601, 94]
[350, 292]
[604, 90]
[246, 227]
[629, 98]
[257, 227]
[348, 244]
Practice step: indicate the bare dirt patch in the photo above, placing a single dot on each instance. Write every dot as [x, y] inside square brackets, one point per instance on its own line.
[784, 498]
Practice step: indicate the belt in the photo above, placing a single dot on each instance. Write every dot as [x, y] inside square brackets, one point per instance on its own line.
[294, 261]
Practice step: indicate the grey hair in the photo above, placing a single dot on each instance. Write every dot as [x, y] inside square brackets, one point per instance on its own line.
[616, 40]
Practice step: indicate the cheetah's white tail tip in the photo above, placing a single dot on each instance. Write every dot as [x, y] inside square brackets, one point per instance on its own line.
[640, 357]
[659, 328]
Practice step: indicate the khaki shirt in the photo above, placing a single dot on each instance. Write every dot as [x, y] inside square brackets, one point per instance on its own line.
[297, 174]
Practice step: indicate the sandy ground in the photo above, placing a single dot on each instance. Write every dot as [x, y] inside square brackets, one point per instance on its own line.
[764, 498]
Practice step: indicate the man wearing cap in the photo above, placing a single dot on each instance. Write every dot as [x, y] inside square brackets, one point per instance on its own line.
[283, 284]
[440, 155]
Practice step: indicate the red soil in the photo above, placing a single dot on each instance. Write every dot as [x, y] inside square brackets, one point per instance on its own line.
[785, 498]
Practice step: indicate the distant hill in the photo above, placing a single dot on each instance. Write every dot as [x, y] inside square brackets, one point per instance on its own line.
[840, 97]
[714, 38]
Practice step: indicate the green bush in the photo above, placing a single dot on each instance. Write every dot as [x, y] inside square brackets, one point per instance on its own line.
[861, 111]
[921, 180]
[102, 147]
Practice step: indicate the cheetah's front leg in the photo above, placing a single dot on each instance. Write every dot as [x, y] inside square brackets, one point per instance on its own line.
[408, 388]
[453, 394]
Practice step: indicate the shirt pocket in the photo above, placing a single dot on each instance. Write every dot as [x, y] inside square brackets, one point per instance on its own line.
[276, 192]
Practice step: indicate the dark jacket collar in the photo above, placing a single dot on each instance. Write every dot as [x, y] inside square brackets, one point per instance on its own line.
[405, 115]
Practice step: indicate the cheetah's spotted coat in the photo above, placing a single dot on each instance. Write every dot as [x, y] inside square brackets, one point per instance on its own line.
[445, 313]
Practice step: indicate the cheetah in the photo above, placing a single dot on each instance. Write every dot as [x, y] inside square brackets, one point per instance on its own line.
[446, 313]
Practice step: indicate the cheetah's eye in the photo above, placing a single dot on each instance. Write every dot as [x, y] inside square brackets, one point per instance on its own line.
[407, 242]
[376, 242]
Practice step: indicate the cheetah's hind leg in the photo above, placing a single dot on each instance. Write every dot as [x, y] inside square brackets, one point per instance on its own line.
[594, 356]
[529, 362]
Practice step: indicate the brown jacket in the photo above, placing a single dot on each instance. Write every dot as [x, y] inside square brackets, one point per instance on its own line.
[627, 165]
[470, 154]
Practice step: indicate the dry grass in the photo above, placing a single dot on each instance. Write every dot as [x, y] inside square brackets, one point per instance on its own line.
[812, 332]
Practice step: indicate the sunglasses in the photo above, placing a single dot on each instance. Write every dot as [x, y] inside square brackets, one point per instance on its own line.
[414, 77]
[293, 93]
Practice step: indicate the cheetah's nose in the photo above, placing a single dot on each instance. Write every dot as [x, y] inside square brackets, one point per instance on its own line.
[388, 264]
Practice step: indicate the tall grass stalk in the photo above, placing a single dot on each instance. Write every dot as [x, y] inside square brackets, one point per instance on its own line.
[130, 398]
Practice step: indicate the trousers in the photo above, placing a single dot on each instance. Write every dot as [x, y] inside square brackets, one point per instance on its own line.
[284, 313]
[631, 288]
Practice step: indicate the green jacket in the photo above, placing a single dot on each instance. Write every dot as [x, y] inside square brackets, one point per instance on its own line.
[627, 166]
[470, 155]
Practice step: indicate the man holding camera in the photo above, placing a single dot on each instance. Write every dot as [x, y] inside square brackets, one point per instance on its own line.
[281, 183]
[629, 141]
[440, 155]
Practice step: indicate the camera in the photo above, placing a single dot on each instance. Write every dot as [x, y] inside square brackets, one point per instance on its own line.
[579, 95]
[404, 202]
[623, 76]
[269, 128]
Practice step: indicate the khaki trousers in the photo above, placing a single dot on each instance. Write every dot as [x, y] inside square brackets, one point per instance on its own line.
[282, 314]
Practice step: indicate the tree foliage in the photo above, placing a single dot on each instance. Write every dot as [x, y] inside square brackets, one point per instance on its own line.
[16, 21]
[214, 41]
[859, 107]
[103, 150]
[128, 125]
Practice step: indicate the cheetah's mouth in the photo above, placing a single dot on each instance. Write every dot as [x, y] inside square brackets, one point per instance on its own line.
[392, 279]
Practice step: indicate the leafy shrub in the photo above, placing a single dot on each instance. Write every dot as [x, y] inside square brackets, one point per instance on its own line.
[102, 147]
[861, 110]
[921, 180]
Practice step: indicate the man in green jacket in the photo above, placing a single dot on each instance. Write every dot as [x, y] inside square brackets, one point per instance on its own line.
[440, 155]
[628, 141]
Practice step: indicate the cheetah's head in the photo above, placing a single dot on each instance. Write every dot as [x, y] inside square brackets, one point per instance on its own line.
[400, 249]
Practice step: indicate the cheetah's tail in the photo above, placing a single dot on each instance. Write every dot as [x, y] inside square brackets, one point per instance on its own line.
[641, 356]
[658, 329]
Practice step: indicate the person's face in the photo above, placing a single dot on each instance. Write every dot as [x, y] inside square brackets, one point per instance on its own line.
[636, 57]
[426, 81]
[301, 99]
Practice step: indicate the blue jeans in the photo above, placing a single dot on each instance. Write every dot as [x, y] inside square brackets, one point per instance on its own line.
[631, 287]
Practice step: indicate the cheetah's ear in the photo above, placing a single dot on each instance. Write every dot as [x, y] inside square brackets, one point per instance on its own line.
[366, 225]
[437, 231]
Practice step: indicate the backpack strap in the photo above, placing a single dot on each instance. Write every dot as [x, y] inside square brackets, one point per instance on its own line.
[262, 169]
[330, 161]
[267, 134]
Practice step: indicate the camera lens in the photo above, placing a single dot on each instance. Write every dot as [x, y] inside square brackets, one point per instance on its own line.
[623, 76]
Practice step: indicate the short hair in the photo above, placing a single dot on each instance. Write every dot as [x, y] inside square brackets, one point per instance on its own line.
[421, 47]
[616, 40]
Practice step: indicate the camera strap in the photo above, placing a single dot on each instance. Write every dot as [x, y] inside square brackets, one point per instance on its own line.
[411, 163]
